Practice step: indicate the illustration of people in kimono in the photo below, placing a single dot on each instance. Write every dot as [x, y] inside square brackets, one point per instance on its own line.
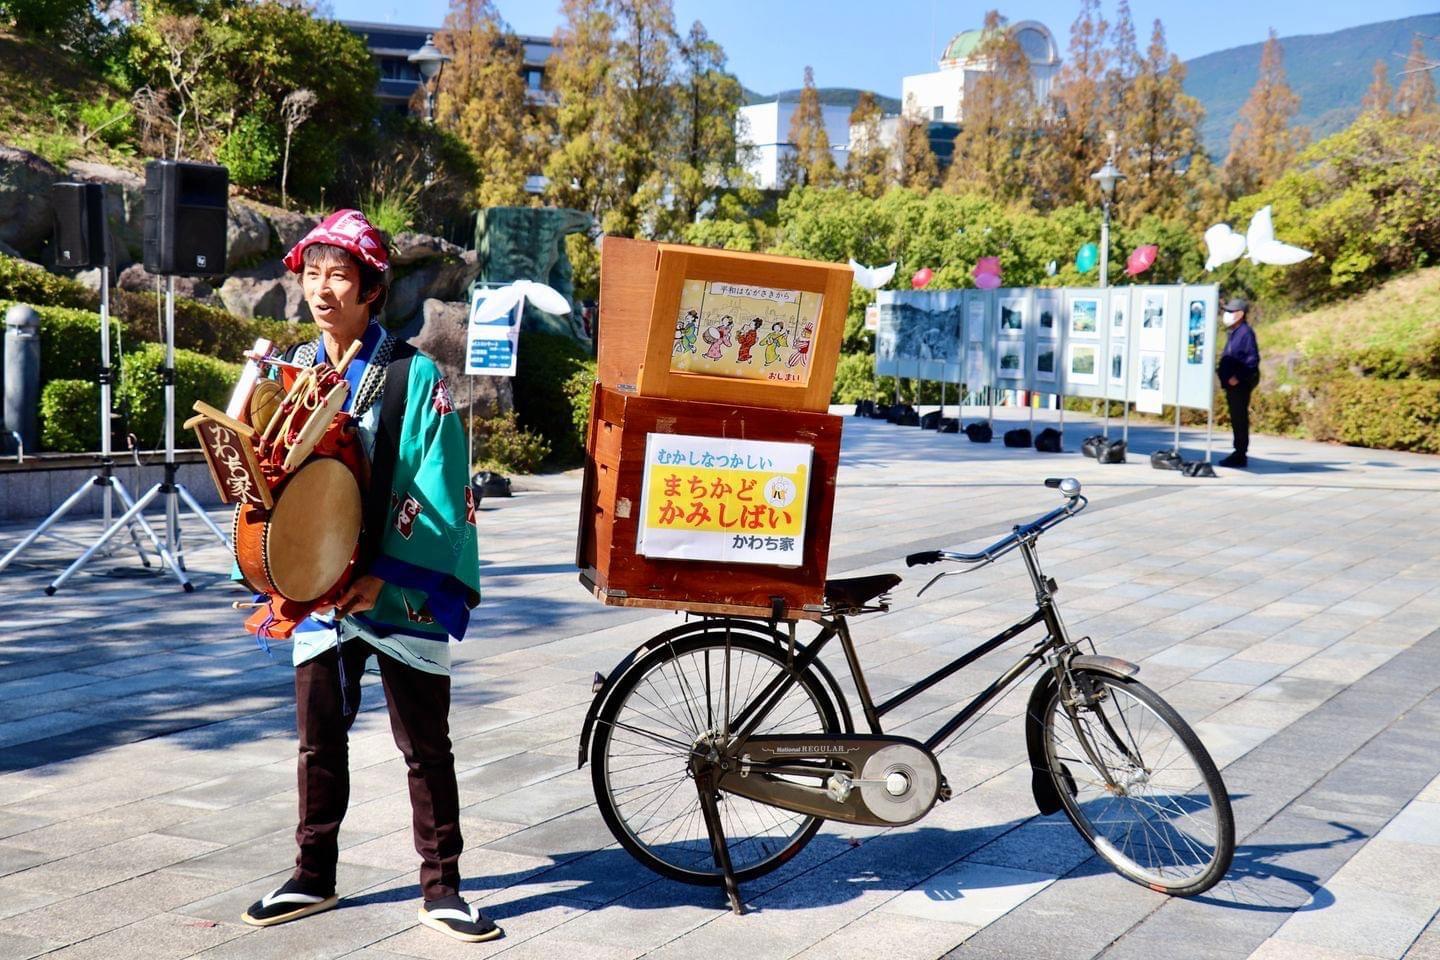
[687, 328]
[801, 356]
[747, 339]
[774, 342]
[718, 336]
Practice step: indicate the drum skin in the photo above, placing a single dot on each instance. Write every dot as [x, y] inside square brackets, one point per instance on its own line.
[264, 401]
[302, 547]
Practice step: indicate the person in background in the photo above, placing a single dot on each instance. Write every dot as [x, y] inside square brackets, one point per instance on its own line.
[1239, 371]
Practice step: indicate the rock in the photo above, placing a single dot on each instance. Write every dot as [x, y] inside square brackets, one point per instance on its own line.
[291, 227]
[25, 210]
[247, 235]
[258, 291]
[410, 247]
[124, 207]
[443, 280]
[135, 277]
[438, 329]
[89, 278]
[9, 251]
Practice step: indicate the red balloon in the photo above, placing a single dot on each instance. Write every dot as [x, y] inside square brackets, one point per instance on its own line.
[1141, 259]
[921, 277]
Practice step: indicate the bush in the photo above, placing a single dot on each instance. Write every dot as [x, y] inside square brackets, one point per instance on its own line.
[542, 406]
[70, 343]
[70, 416]
[251, 150]
[508, 447]
[580, 388]
[200, 327]
[26, 283]
[1385, 414]
[142, 394]
[111, 121]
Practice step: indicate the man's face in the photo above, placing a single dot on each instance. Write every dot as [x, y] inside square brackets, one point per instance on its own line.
[332, 289]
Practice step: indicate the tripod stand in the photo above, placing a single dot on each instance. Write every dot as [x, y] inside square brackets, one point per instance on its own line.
[171, 552]
[105, 479]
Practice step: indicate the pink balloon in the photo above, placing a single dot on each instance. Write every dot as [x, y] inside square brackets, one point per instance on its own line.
[988, 281]
[922, 276]
[1141, 259]
[986, 265]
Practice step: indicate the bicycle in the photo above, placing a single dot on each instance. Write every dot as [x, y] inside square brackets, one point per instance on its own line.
[759, 729]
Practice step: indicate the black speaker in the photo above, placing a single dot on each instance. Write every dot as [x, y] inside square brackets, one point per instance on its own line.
[81, 239]
[185, 218]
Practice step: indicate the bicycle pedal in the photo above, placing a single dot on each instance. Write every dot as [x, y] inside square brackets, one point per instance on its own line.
[943, 793]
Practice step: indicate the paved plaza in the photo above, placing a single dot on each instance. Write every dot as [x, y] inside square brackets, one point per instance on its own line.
[147, 754]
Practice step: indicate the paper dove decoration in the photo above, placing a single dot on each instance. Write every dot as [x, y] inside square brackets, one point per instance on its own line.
[872, 278]
[502, 301]
[1050, 269]
[1264, 248]
[1223, 244]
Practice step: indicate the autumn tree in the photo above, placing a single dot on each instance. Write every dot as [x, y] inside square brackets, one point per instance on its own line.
[996, 144]
[708, 159]
[1156, 123]
[915, 164]
[1073, 145]
[808, 163]
[482, 100]
[1378, 97]
[1416, 95]
[1264, 141]
[868, 169]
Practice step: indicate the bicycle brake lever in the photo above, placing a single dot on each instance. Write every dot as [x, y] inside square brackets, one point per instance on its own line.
[934, 580]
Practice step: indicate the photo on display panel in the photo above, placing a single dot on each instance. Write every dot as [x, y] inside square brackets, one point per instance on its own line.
[1154, 316]
[1045, 362]
[975, 322]
[1084, 317]
[1010, 360]
[1195, 333]
[1012, 316]
[1117, 364]
[1150, 364]
[1047, 311]
[1119, 304]
[1150, 392]
[1084, 363]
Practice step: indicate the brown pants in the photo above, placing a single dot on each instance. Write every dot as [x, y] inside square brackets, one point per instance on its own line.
[419, 705]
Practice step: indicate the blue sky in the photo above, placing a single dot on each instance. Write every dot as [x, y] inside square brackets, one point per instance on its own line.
[865, 43]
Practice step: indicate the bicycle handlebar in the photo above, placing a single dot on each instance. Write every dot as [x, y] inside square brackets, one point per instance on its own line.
[1075, 503]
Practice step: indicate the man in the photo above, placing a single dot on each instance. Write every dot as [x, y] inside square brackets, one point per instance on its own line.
[418, 579]
[1239, 371]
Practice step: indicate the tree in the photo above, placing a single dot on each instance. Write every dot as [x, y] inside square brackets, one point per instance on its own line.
[482, 100]
[809, 162]
[294, 110]
[868, 170]
[1378, 97]
[998, 119]
[1157, 142]
[1074, 143]
[915, 163]
[709, 158]
[577, 169]
[1416, 95]
[1263, 142]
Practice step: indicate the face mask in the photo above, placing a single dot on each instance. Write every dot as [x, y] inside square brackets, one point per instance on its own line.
[1231, 319]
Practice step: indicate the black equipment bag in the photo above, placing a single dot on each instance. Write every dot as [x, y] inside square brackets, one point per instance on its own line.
[897, 411]
[1048, 440]
[1091, 446]
[949, 425]
[1018, 438]
[907, 418]
[930, 421]
[865, 408]
[1165, 460]
[1197, 468]
[979, 432]
[1113, 451]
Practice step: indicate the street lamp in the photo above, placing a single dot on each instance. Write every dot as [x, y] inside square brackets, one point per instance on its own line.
[430, 61]
[1107, 176]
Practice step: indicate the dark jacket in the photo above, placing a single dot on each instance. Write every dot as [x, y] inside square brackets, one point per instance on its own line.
[1241, 357]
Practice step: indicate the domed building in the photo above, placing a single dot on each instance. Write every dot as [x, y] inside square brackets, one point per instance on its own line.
[940, 96]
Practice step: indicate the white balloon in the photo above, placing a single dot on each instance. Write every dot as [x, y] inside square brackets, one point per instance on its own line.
[497, 304]
[872, 278]
[1224, 245]
[545, 297]
[1264, 248]
[502, 301]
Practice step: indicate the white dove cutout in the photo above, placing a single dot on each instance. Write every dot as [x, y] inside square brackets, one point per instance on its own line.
[502, 301]
[872, 278]
[1264, 248]
[1223, 244]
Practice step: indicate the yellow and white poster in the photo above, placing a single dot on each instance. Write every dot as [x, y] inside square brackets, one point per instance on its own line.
[735, 501]
[745, 331]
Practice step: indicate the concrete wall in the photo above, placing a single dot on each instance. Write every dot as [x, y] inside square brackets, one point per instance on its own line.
[33, 494]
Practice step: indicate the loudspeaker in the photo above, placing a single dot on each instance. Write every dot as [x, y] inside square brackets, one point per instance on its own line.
[81, 237]
[185, 218]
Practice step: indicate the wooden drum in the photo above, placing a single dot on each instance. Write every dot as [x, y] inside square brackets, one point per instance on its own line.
[302, 547]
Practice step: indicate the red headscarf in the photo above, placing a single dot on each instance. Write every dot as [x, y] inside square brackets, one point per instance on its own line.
[348, 230]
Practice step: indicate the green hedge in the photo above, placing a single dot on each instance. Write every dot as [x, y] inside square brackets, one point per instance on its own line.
[69, 416]
[26, 283]
[1385, 414]
[197, 377]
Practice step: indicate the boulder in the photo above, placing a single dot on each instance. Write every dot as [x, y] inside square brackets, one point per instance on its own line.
[410, 247]
[247, 235]
[259, 291]
[291, 227]
[447, 279]
[26, 215]
[124, 207]
[135, 277]
[438, 329]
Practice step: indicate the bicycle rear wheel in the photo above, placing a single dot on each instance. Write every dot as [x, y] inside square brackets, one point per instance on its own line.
[669, 700]
[1139, 785]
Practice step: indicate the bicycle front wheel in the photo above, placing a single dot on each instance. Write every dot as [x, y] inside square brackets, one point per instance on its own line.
[678, 694]
[1139, 785]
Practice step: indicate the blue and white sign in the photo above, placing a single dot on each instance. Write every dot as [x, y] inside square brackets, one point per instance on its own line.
[492, 343]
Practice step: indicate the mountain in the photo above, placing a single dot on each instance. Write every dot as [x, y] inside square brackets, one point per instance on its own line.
[845, 96]
[1330, 72]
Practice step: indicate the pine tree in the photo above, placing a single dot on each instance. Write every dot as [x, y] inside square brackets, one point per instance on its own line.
[1264, 142]
[996, 144]
[915, 164]
[709, 155]
[1416, 95]
[809, 162]
[1156, 125]
[868, 171]
[1378, 97]
[482, 101]
[1073, 145]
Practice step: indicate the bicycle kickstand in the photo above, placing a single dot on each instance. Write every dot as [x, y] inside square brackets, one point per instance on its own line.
[718, 847]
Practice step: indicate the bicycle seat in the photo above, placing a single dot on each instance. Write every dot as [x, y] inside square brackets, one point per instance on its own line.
[854, 592]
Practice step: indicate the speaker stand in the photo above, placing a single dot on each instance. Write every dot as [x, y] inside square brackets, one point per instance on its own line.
[105, 479]
[172, 553]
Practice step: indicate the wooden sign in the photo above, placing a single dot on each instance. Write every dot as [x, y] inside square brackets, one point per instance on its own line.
[230, 453]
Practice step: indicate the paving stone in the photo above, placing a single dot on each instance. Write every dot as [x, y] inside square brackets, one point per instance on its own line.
[1384, 922]
[972, 893]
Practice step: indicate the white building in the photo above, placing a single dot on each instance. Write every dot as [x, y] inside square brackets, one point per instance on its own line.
[766, 127]
[941, 95]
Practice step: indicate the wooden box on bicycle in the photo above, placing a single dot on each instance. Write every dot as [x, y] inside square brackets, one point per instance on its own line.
[711, 459]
